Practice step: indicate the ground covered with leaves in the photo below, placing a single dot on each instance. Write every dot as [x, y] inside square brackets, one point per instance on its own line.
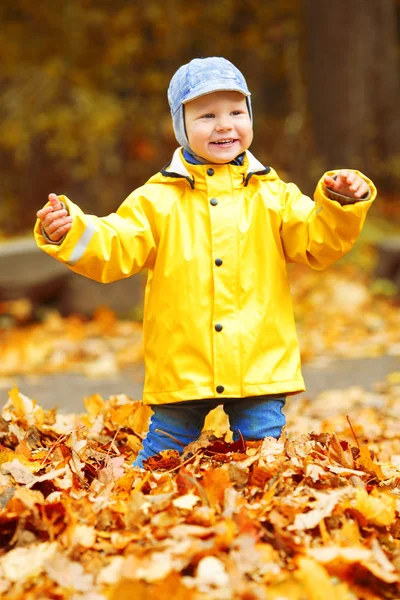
[312, 515]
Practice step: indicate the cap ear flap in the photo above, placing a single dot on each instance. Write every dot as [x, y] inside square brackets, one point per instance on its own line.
[178, 121]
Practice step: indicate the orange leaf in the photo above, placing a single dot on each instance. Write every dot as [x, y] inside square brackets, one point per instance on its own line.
[369, 465]
[215, 482]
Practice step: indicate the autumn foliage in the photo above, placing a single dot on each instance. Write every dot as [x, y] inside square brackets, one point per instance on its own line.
[311, 515]
[83, 91]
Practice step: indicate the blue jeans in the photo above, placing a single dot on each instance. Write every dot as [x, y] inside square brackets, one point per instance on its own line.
[255, 418]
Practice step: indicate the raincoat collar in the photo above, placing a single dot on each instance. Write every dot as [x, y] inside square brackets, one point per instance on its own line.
[178, 168]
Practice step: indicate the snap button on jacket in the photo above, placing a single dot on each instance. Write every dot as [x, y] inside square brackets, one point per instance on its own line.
[171, 227]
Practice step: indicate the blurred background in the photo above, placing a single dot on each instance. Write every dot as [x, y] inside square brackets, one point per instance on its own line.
[84, 112]
[83, 91]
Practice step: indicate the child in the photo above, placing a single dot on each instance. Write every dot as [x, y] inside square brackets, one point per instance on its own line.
[215, 229]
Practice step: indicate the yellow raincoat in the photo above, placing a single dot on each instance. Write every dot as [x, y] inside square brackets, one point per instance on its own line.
[218, 319]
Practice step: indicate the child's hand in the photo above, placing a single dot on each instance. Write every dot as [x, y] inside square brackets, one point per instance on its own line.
[55, 219]
[347, 183]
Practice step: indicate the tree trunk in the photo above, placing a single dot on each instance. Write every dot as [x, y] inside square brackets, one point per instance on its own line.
[352, 69]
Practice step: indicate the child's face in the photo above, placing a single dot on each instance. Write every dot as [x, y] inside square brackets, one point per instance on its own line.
[218, 126]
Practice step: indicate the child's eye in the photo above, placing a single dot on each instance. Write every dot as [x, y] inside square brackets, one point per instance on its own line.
[237, 112]
[208, 116]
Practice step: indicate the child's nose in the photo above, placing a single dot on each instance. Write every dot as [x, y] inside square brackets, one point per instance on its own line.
[224, 124]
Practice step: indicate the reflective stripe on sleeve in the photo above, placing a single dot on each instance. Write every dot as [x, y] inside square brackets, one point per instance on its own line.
[82, 244]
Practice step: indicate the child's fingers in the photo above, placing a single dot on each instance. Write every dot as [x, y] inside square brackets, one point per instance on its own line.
[344, 178]
[352, 181]
[55, 205]
[362, 190]
[329, 181]
[55, 202]
[43, 212]
[357, 186]
[49, 217]
[56, 223]
[56, 235]
[55, 219]
[347, 183]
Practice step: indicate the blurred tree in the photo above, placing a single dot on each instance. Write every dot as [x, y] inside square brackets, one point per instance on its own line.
[83, 91]
[353, 75]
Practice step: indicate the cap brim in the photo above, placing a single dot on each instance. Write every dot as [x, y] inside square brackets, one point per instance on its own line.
[215, 88]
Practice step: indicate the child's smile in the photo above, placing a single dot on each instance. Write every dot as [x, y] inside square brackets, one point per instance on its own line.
[218, 126]
[224, 142]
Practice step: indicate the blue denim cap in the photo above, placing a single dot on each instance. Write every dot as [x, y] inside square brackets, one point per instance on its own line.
[197, 78]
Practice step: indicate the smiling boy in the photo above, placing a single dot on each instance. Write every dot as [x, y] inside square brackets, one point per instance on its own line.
[218, 126]
[215, 229]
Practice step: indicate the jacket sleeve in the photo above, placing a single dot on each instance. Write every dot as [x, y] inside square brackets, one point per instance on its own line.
[319, 233]
[105, 249]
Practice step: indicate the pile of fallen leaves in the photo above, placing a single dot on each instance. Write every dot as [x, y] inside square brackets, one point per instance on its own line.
[309, 516]
[342, 313]
[339, 314]
[97, 347]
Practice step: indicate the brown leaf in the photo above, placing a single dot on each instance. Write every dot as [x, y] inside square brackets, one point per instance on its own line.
[166, 460]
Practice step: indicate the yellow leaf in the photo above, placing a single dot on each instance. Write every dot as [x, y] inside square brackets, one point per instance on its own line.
[379, 508]
[134, 442]
[120, 414]
[288, 589]
[394, 378]
[366, 461]
[318, 583]
[9, 455]
[171, 587]
[124, 484]
[26, 409]
[139, 421]
[217, 420]
[348, 534]
[94, 405]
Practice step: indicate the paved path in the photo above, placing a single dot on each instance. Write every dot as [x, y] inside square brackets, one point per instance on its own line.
[66, 391]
